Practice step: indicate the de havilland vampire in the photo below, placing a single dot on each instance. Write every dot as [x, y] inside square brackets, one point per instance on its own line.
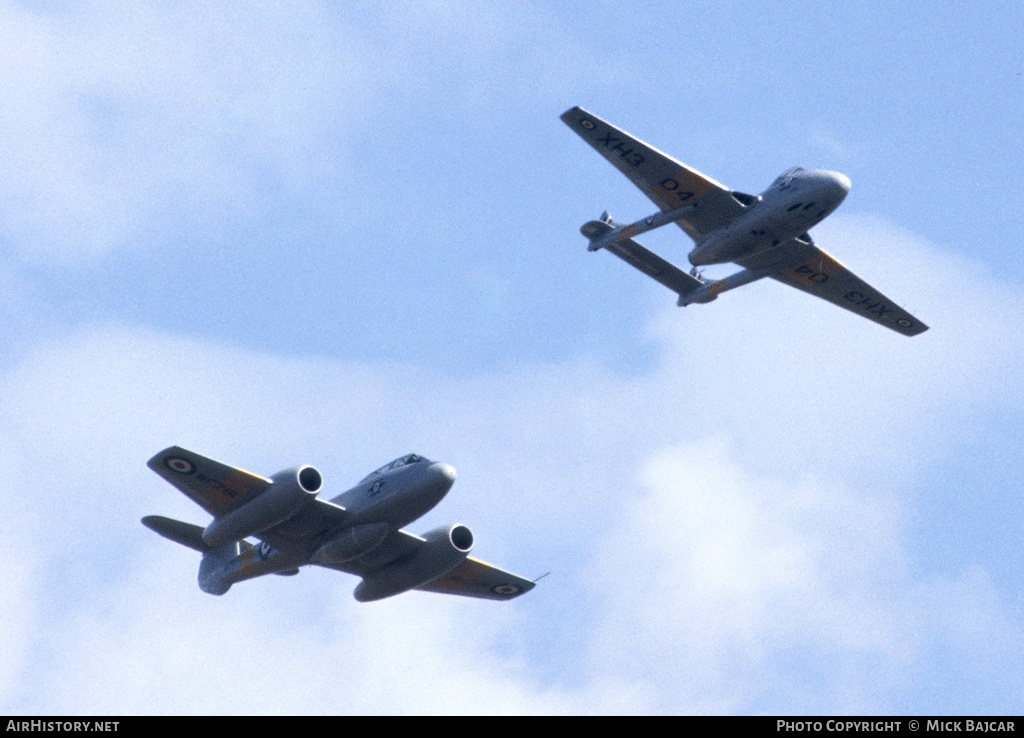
[358, 532]
[765, 234]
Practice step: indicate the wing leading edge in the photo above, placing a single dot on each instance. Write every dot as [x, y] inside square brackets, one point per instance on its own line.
[670, 184]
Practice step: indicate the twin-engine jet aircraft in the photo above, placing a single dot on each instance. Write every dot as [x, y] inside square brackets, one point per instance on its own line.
[765, 234]
[358, 532]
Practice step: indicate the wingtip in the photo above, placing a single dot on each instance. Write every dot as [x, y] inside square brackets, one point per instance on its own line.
[910, 328]
[568, 114]
[152, 463]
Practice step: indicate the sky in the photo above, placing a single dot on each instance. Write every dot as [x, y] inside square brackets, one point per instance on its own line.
[335, 233]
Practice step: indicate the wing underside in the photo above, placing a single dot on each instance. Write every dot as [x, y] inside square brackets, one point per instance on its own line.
[475, 578]
[220, 489]
[215, 487]
[670, 184]
[806, 267]
[471, 578]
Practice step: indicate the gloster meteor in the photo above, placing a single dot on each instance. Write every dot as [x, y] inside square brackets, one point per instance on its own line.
[358, 532]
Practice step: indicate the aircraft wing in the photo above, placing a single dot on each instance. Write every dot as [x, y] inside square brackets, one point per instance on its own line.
[803, 265]
[219, 489]
[475, 578]
[471, 578]
[215, 487]
[669, 183]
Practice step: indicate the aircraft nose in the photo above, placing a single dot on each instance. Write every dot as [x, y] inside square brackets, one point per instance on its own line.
[841, 181]
[443, 474]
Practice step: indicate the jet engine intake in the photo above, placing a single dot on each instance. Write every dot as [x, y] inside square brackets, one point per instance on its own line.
[444, 549]
[290, 491]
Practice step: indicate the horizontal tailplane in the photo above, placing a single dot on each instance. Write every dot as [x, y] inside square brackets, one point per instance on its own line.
[603, 235]
[174, 530]
[711, 290]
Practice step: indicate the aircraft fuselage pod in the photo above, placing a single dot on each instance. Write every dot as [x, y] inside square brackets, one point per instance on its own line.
[399, 492]
[359, 531]
[796, 201]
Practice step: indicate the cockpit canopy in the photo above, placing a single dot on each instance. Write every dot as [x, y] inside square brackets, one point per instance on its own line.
[396, 464]
[786, 175]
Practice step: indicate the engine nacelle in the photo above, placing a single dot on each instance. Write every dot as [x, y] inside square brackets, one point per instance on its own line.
[291, 490]
[351, 542]
[445, 548]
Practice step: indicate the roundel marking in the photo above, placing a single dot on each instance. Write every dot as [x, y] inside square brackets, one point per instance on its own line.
[263, 551]
[588, 124]
[903, 322]
[505, 589]
[180, 465]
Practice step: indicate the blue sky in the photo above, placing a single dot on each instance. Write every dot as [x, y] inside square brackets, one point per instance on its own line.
[334, 233]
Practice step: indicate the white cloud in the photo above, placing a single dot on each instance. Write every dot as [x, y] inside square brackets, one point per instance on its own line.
[119, 121]
[719, 582]
[124, 124]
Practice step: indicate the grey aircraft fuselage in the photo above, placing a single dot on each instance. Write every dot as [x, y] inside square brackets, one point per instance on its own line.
[796, 201]
[398, 495]
[387, 499]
